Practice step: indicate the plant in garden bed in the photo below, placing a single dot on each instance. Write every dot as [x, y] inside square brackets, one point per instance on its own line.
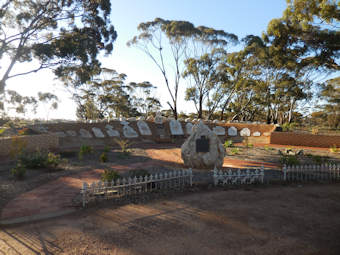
[19, 171]
[17, 147]
[40, 159]
[317, 159]
[267, 148]
[334, 149]
[124, 146]
[234, 151]
[109, 175]
[289, 160]
[85, 150]
[103, 157]
[228, 143]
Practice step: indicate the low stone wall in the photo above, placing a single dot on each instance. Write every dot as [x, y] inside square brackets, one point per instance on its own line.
[299, 139]
[32, 142]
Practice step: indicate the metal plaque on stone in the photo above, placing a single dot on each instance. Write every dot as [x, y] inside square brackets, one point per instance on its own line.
[202, 144]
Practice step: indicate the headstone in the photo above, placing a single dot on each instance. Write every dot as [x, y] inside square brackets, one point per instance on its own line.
[129, 132]
[256, 133]
[203, 149]
[188, 128]
[143, 128]
[111, 132]
[175, 127]
[60, 134]
[245, 132]
[218, 130]
[159, 118]
[232, 131]
[71, 133]
[131, 119]
[266, 134]
[98, 132]
[84, 133]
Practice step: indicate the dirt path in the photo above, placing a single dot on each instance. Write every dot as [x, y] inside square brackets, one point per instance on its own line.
[273, 220]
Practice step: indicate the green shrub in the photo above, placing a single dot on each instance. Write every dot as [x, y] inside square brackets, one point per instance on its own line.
[40, 159]
[288, 126]
[107, 149]
[110, 175]
[139, 173]
[2, 130]
[85, 150]
[289, 160]
[228, 143]
[103, 157]
[123, 144]
[234, 151]
[19, 171]
[267, 148]
[317, 159]
[334, 149]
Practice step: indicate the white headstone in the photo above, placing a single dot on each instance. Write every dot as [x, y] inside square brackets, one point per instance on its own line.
[175, 127]
[232, 131]
[129, 132]
[256, 133]
[143, 128]
[188, 128]
[98, 132]
[111, 132]
[159, 118]
[60, 134]
[218, 130]
[245, 132]
[71, 133]
[84, 133]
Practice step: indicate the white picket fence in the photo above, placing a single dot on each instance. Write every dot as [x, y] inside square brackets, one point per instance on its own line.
[246, 176]
[307, 173]
[126, 187]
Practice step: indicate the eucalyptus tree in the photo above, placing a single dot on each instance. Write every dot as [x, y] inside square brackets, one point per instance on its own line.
[168, 43]
[63, 35]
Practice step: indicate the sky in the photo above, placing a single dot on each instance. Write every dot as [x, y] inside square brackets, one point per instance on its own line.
[241, 17]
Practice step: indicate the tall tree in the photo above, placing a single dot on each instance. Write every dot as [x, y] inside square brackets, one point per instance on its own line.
[63, 35]
[167, 43]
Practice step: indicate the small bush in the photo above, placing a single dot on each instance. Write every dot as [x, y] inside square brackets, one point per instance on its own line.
[289, 160]
[334, 149]
[107, 149]
[139, 173]
[17, 147]
[317, 159]
[2, 130]
[267, 148]
[228, 143]
[103, 157]
[19, 171]
[315, 131]
[110, 175]
[123, 144]
[288, 127]
[234, 151]
[40, 159]
[85, 150]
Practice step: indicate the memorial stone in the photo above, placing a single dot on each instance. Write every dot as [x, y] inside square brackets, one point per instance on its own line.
[159, 118]
[188, 128]
[232, 131]
[175, 127]
[143, 128]
[256, 133]
[129, 132]
[111, 132]
[84, 133]
[98, 132]
[218, 130]
[71, 133]
[245, 132]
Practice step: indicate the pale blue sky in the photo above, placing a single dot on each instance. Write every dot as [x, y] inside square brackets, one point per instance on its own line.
[241, 17]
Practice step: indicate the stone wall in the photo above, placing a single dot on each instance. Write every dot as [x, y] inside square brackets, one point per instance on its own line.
[299, 139]
[32, 142]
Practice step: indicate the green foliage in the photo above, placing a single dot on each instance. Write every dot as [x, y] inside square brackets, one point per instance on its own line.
[65, 35]
[123, 144]
[2, 130]
[110, 175]
[40, 159]
[139, 173]
[85, 150]
[289, 160]
[317, 159]
[103, 157]
[267, 148]
[234, 151]
[334, 149]
[17, 147]
[286, 127]
[228, 143]
[19, 171]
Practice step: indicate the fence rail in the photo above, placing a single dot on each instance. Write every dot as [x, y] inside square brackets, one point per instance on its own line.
[126, 187]
[311, 173]
[246, 176]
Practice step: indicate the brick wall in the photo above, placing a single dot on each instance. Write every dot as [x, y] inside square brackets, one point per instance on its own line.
[32, 142]
[297, 139]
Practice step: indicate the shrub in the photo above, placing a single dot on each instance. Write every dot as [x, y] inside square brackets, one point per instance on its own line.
[19, 171]
[103, 157]
[267, 148]
[139, 173]
[40, 159]
[334, 149]
[234, 151]
[315, 131]
[2, 130]
[53, 160]
[288, 127]
[123, 144]
[17, 147]
[228, 143]
[289, 160]
[85, 150]
[110, 175]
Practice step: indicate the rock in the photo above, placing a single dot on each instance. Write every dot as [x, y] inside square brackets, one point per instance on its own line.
[245, 132]
[213, 157]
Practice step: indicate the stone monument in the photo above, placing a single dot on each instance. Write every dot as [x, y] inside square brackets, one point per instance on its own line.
[203, 148]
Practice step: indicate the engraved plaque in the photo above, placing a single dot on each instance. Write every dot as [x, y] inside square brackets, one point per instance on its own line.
[202, 144]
